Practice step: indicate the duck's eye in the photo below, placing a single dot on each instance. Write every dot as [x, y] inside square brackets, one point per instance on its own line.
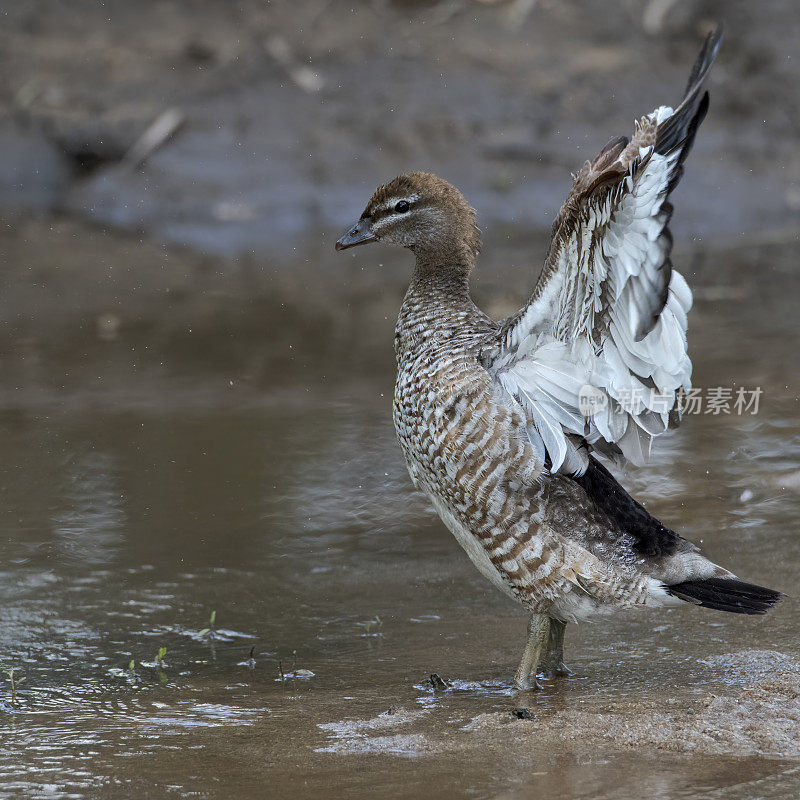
[402, 206]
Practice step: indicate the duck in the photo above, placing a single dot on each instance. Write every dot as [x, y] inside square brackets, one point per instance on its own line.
[508, 427]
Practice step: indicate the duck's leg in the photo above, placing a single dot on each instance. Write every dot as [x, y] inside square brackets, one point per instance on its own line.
[551, 662]
[538, 635]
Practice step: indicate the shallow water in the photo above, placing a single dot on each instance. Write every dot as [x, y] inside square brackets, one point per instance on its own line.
[128, 517]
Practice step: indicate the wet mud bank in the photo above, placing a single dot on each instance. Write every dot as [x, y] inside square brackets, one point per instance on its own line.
[753, 710]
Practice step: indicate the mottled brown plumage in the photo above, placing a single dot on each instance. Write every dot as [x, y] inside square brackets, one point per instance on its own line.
[485, 413]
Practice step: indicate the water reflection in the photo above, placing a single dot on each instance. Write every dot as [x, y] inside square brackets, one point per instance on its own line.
[91, 523]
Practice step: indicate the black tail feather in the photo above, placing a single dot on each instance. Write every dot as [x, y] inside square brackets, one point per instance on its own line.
[727, 594]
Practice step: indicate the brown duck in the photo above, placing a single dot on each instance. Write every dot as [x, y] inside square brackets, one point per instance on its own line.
[501, 423]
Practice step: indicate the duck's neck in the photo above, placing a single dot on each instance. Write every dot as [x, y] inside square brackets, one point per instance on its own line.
[443, 271]
[437, 299]
[451, 251]
[442, 286]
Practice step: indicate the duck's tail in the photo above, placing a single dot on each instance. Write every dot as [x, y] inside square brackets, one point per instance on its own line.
[726, 594]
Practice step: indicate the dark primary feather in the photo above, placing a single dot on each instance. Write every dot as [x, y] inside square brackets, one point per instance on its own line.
[652, 539]
[705, 58]
[681, 126]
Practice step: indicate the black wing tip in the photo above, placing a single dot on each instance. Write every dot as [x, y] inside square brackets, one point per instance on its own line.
[679, 129]
[727, 594]
[708, 52]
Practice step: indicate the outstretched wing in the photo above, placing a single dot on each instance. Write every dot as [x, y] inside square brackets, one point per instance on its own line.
[597, 357]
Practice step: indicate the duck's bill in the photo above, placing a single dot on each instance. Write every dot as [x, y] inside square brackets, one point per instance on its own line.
[358, 234]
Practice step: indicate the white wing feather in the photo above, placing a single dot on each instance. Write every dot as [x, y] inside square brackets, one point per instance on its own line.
[609, 312]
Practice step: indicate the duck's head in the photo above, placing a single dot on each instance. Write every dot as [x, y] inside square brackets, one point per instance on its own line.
[420, 211]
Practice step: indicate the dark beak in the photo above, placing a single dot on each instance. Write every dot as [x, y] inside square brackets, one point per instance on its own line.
[358, 234]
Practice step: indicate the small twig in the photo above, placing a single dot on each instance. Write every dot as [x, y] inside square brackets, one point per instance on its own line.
[164, 127]
[308, 80]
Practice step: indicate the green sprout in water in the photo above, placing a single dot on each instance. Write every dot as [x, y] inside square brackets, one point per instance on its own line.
[162, 676]
[295, 672]
[376, 622]
[130, 672]
[209, 631]
[15, 682]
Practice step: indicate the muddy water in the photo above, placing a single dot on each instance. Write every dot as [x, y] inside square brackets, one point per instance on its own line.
[128, 518]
